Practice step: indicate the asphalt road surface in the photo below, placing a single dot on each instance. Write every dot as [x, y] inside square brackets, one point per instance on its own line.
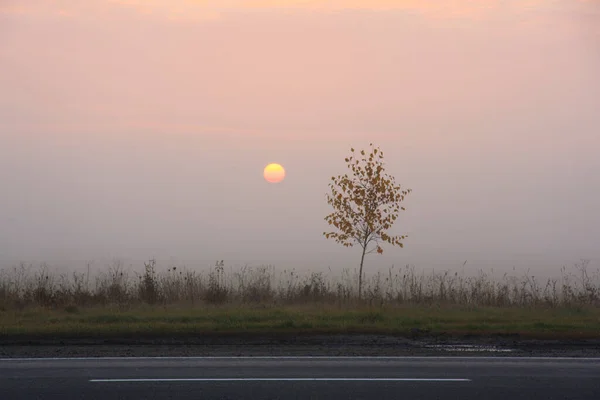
[328, 378]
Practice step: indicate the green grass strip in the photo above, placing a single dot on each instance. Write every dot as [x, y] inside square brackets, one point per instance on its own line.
[173, 321]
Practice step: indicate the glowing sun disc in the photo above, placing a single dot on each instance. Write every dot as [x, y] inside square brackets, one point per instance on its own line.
[274, 173]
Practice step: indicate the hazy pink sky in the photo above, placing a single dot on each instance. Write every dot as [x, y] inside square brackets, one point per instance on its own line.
[140, 128]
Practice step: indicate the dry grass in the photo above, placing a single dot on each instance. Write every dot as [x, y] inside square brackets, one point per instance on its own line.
[24, 287]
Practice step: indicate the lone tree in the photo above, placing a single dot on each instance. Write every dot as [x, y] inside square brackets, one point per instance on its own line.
[366, 204]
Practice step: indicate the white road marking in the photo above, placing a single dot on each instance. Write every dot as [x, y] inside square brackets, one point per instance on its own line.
[283, 380]
[548, 358]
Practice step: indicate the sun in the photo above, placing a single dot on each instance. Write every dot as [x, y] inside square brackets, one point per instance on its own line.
[274, 173]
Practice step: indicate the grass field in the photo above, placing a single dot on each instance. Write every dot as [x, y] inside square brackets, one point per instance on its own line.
[178, 302]
[404, 321]
[24, 287]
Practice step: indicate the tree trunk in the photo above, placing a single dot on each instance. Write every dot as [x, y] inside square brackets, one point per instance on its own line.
[360, 272]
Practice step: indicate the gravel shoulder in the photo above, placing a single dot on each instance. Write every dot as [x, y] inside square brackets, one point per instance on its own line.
[308, 345]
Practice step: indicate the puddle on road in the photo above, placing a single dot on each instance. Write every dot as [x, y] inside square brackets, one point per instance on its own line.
[468, 348]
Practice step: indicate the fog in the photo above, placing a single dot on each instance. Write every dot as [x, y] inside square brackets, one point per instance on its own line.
[134, 130]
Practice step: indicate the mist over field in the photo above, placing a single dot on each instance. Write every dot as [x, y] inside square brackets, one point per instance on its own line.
[137, 130]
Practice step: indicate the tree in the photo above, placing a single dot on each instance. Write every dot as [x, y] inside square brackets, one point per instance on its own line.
[366, 204]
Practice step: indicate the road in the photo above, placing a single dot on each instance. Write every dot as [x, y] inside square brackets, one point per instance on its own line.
[328, 378]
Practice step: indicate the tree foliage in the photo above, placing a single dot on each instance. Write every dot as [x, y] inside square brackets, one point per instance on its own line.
[366, 205]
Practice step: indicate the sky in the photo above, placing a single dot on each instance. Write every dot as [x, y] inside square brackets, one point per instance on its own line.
[140, 129]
